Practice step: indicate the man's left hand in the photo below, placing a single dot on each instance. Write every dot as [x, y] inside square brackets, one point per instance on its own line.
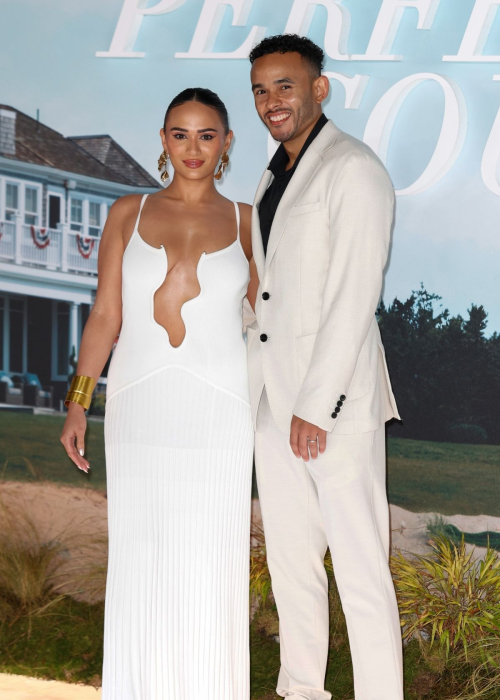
[306, 438]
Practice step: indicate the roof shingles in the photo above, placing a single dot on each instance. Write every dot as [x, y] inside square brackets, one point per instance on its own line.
[94, 156]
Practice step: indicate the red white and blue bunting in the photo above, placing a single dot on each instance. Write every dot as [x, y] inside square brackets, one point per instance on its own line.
[40, 236]
[85, 246]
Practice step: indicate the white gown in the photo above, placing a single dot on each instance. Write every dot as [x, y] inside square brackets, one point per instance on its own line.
[179, 445]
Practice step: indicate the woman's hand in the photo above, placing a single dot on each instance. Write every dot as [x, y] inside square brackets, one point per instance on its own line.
[73, 435]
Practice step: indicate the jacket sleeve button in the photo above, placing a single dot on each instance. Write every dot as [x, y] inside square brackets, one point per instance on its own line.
[342, 397]
[334, 415]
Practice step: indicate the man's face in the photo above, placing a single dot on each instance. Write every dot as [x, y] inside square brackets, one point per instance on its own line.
[285, 93]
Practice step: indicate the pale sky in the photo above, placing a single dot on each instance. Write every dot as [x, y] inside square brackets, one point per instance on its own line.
[447, 237]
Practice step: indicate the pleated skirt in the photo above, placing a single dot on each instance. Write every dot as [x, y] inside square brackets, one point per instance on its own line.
[179, 462]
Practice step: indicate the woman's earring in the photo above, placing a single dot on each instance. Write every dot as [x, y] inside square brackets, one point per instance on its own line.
[162, 165]
[224, 160]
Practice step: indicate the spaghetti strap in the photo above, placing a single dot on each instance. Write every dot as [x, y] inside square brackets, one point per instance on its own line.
[144, 196]
[237, 208]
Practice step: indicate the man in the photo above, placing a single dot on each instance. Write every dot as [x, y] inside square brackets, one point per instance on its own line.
[319, 385]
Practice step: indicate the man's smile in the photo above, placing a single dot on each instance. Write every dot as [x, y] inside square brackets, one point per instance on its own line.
[279, 118]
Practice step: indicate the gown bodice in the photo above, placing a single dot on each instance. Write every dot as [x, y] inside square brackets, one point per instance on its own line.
[213, 347]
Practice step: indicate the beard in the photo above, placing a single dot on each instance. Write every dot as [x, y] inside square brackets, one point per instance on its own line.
[295, 123]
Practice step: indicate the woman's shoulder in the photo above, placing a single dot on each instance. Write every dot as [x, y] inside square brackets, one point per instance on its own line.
[126, 205]
[246, 215]
[245, 208]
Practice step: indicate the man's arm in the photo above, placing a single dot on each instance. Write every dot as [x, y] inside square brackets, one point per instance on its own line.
[361, 215]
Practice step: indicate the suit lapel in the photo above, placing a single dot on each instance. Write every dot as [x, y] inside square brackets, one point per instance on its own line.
[306, 169]
[257, 246]
[309, 164]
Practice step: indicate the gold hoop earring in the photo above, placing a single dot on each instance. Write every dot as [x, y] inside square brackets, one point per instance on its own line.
[224, 160]
[162, 165]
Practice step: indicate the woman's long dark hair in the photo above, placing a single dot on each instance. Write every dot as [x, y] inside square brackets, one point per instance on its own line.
[205, 97]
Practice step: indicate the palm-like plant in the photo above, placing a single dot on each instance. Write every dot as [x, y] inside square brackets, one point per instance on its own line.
[449, 595]
[260, 578]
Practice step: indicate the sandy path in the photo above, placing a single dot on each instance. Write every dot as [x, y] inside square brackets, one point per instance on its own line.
[409, 529]
[74, 517]
[56, 508]
[22, 688]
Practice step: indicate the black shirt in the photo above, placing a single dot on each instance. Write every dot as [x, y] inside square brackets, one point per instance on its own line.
[274, 193]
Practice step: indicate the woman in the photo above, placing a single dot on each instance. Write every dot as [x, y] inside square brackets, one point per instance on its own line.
[173, 273]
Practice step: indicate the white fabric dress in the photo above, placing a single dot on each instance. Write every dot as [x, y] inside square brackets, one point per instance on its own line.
[179, 445]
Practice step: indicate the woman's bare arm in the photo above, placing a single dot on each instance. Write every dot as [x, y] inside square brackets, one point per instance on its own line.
[246, 242]
[104, 322]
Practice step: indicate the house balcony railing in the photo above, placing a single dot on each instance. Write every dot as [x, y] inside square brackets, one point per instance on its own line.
[53, 249]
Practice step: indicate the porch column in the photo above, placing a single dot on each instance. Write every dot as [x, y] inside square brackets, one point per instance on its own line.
[18, 237]
[73, 327]
[64, 229]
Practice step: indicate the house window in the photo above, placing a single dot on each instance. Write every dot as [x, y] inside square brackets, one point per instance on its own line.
[76, 216]
[62, 338]
[11, 201]
[94, 219]
[54, 211]
[31, 206]
[16, 340]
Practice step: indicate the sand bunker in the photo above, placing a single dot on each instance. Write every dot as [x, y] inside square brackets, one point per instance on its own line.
[22, 688]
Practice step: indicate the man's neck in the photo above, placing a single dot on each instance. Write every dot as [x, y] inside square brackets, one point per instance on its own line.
[294, 146]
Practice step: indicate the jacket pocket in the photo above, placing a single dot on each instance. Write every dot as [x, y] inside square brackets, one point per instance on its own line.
[305, 208]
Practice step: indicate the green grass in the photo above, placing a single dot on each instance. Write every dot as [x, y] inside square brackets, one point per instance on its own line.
[443, 477]
[36, 439]
[66, 644]
[423, 476]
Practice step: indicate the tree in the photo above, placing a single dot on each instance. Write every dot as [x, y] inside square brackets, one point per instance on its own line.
[445, 372]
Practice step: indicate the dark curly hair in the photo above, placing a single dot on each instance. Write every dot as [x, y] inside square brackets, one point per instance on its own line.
[205, 97]
[285, 43]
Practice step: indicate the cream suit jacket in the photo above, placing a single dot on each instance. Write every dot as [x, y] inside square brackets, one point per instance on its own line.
[323, 270]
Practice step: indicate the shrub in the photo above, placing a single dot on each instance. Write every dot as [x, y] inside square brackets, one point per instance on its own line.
[481, 664]
[28, 565]
[449, 596]
[469, 434]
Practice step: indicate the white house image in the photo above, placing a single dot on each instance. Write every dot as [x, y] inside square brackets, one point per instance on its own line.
[55, 193]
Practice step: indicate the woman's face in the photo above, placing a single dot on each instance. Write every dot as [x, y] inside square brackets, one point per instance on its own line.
[194, 138]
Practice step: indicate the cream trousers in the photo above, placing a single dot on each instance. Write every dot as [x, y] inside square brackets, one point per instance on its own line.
[339, 501]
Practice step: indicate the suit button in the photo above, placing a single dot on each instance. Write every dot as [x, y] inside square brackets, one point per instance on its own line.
[342, 398]
[265, 295]
[339, 404]
[337, 410]
[334, 415]
[263, 337]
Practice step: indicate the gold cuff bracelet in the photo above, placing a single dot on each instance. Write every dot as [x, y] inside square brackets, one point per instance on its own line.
[80, 391]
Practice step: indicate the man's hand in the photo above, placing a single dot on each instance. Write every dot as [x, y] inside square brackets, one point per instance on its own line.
[306, 438]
